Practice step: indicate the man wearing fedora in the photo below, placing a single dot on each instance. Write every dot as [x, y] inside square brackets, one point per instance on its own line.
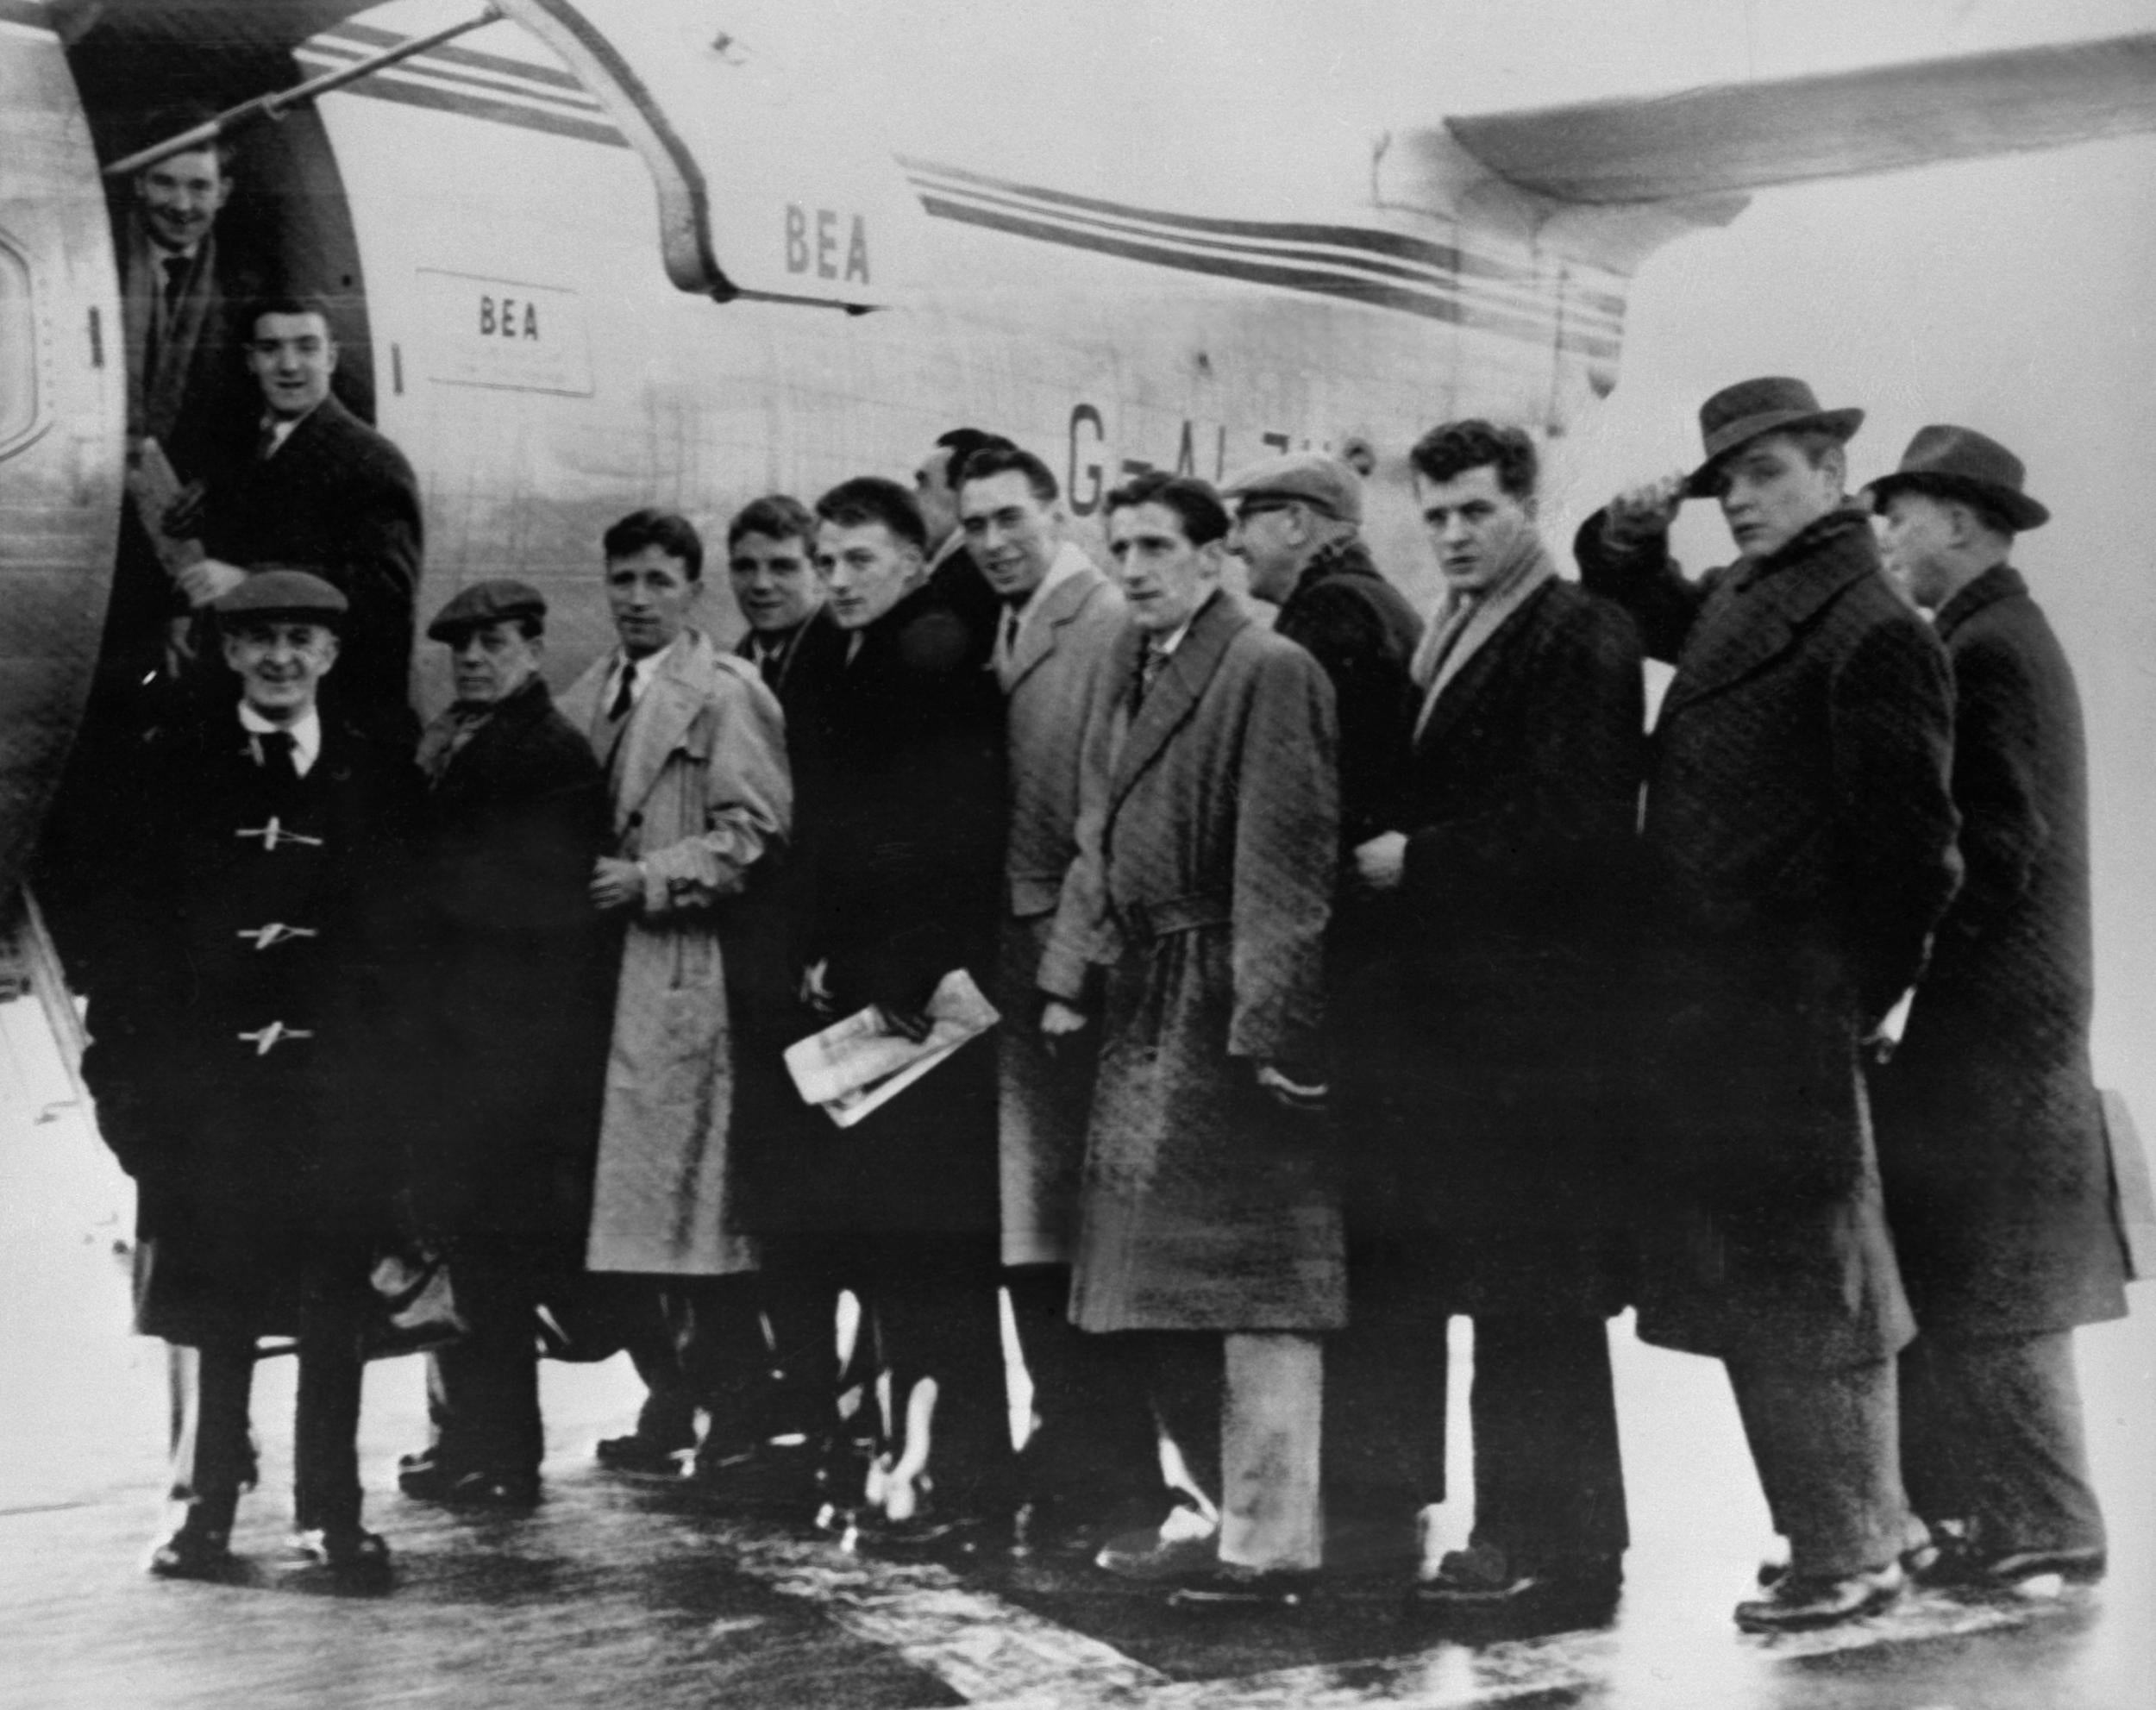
[1799, 846]
[1991, 1135]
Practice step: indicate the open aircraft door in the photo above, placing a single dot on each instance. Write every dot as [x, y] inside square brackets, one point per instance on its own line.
[765, 190]
[63, 405]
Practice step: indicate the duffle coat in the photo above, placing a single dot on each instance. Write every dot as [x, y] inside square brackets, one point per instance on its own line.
[1196, 912]
[246, 1055]
[1991, 1130]
[700, 794]
[1799, 843]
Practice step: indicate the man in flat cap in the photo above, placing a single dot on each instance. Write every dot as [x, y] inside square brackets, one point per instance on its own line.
[240, 1062]
[516, 989]
[1990, 1127]
[1799, 849]
[1298, 530]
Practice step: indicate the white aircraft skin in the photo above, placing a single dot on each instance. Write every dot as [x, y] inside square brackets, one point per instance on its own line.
[532, 356]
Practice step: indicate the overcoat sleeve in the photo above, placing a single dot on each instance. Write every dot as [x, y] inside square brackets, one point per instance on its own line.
[1998, 753]
[1647, 582]
[1082, 936]
[1287, 860]
[737, 743]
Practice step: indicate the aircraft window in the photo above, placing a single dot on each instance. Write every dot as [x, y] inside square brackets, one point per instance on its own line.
[18, 349]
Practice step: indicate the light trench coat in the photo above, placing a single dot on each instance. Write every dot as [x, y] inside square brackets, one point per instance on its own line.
[701, 793]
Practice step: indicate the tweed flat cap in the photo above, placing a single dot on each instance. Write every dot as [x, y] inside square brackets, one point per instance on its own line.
[281, 591]
[500, 599]
[1325, 484]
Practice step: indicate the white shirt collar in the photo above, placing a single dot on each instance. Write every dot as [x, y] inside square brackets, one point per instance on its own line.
[1174, 639]
[280, 429]
[307, 734]
[641, 672]
[1068, 562]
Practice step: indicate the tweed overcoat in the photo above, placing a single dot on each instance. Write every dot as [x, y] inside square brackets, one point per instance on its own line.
[339, 500]
[700, 795]
[904, 838]
[1043, 1099]
[1509, 982]
[1208, 847]
[517, 980]
[1799, 844]
[249, 1055]
[1991, 1130]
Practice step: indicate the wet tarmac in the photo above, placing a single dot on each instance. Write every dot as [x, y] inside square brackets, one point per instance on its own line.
[633, 1593]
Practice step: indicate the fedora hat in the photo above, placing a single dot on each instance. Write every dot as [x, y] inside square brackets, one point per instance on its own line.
[1961, 463]
[1737, 414]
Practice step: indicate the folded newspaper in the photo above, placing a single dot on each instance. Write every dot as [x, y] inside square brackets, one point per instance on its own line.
[853, 1066]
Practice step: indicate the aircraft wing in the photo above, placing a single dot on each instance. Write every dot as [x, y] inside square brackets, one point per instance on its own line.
[1733, 138]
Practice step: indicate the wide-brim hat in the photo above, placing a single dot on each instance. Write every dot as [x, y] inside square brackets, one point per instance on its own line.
[277, 592]
[1962, 463]
[1737, 414]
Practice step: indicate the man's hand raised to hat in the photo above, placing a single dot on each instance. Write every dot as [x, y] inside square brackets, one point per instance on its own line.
[1641, 516]
[211, 578]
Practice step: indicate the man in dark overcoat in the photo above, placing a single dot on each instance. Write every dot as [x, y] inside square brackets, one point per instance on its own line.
[906, 845]
[1990, 1128]
[1496, 1173]
[952, 570]
[240, 1063]
[517, 998]
[1191, 934]
[1799, 849]
[322, 488]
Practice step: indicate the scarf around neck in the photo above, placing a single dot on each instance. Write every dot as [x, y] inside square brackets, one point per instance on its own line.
[1464, 621]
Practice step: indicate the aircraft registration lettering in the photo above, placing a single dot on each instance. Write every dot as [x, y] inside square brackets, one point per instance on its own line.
[1088, 477]
[813, 243]
[484, 332]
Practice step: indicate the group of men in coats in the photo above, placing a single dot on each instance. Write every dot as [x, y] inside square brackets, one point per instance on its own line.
[1343, 988]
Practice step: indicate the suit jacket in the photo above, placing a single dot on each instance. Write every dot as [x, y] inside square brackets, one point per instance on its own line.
[1361, 629]
[516, 982]
[965, 593]
[1991, 1130]
[1208, 847]
[1511, 986]
[1799, 840]
[700, 796]
[1050, 680]
[339, 499]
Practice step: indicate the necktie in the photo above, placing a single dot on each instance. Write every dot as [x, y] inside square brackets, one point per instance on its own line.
[1010, 631]
[1151, 664]
[624, 697]
[175, 283]
[771, 663]
[277, 748]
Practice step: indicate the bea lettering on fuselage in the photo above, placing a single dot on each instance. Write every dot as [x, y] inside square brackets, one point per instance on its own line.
[811, 243]
[508, 317]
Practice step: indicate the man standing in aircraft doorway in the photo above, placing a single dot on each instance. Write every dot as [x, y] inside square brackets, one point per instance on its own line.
[1191, 934]
[1799, 849]
[694, 750]
[321, 487]
[1093, 1462]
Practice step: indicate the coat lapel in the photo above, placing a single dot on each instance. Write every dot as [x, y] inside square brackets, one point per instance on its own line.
[659, 722]
[2002, 581]
[1175, 693]
[1065, 603]
[1466, 685]
[1746, 625]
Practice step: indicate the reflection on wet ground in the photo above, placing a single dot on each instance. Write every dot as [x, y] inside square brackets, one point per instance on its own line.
[631, 1592]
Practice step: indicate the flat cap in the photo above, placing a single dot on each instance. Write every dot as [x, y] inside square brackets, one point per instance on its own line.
[1325, 484]
[281, 591]
[500, 599]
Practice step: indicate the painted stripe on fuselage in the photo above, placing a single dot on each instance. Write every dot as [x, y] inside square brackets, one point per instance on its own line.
[28, 14]
[1375, 268]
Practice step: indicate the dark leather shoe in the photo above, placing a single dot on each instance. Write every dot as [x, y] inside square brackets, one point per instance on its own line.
[191, 1553]
[2000, 1570]
[352, 1553]
[638, 1455]
[482, 1489]
[774, 1478]
[1225, 1585]
[1485, 1577]
[1799, 1601]
[1184, 1546]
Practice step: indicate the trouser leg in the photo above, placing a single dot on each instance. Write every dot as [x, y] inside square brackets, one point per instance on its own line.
[212, 1459]
[1385, 1378]
[1094, 1443]
[936, 1317]
[800, 1304]
[1549, 1482]
[647, 1322]
[326, 1422]
[1824, 1443]
[1186, 1378]
[726, 1360]
[1934, 1434]
[483, 1389]
[2028, 1465]
[1272, 1405]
